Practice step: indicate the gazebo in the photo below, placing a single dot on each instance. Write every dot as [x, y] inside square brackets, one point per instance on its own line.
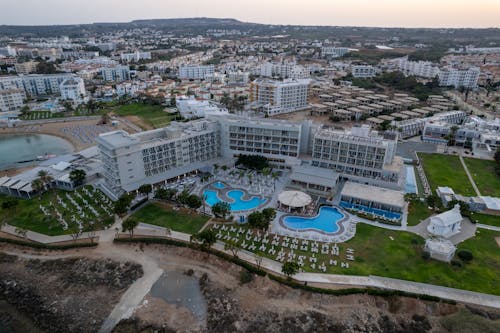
[293, 200]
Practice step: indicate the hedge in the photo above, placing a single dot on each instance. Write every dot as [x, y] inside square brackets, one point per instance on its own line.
[46, 246]
[289, 282]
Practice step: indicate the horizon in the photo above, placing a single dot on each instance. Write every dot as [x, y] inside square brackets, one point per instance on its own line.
[446, 14]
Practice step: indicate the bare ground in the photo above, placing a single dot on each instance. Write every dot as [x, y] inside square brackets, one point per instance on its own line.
[261, 305]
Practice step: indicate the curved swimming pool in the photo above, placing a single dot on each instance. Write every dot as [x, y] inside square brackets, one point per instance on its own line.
[326, 220]
[238, 204]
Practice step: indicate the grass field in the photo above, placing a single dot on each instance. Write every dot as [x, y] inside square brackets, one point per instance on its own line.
[151, 115]
[35, 115]
[28, 215]
[486, 219]
[164, 216]
[417, 212]
[398, 255]
[446, 170]
[483, 173]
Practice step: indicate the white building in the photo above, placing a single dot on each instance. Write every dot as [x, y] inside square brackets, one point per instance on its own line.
[115, 73]
[417, 68]
[446, 224]
[12, 99]
[363, 71]
[459, 78]
[43, 84]
[284, 71]
[73, 89]
[239, 78]
[189, 107]
[135, 56]
[195, 72]
[334, 52]
[278, 97]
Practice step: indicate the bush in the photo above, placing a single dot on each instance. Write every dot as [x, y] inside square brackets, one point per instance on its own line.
[465, 255]
[46, 246]
[456, 263]
[245, 276]
[426, 255]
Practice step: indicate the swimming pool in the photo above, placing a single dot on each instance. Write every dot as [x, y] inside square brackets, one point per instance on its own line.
[380, 212]
[238, 204]
[219, 185]
[326, 220]
[411, 182]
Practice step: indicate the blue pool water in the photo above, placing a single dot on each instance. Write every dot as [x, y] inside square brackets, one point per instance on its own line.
[219, 185]
[411, 182]
[238, 203]
[379, 212]
[326, 220]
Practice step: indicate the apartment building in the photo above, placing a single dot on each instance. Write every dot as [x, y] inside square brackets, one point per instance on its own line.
[11, 82]
[135, 56]
[238, 78]
[363, 71]
[115, 73]
[334, 52]
[44, 84]
[457, 78]
[73, 89]
[276, 97]
[196, 72]
[130, 160]
[360, 155]
[424, 69]
[12, 99]
[283, 70]
[26, 67]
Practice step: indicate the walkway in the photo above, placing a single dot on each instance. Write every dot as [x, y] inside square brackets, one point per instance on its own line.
[489, 227]
[469, 175]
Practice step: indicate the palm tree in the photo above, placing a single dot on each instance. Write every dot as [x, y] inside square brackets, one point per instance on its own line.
[45, 178]
[37, 185]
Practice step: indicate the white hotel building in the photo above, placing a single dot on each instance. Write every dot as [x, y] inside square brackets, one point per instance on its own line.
[276, 97]
[35, 84]
[155, 156]
[457, 78]
[11, 99]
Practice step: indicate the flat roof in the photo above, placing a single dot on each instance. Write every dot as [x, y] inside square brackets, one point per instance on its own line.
[314, 175]
[374, 194]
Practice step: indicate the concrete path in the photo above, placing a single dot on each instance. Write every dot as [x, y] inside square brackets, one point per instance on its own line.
[489, 227]
[469, 176]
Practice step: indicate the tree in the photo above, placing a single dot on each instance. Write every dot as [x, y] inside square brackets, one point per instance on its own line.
[75, 235]
[231, 245]
[433, 201]
[206, 237]
[497, 155]
[290, 268]
[105, 118]
[10, 203]
[45, 178]
[165, 194]
[221, 209]
[465, 255]
[129, 225]
[193, 201]
[37, 185]
[145, 189]
[122, 204]
[269, 214]
[77, 176]
[182, 198]
[258, 260]
[257, 220]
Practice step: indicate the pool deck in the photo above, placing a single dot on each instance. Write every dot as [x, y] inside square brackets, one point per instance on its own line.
[340, 223]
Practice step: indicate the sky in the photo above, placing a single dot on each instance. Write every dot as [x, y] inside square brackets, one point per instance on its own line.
[379, 13]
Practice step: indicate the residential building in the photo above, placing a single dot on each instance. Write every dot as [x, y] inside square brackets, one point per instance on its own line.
[276, 97]
[73, 89]
[424, 69]
[135, 56]
[334, 52]
[43, 84]
[27, 67]
[115, 73]
[363, 71]
[12, 99]
[239, 78]
[459, 77]
[196, 72]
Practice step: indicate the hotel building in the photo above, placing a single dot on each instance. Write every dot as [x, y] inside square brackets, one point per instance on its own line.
[195, 72]
[276, 97]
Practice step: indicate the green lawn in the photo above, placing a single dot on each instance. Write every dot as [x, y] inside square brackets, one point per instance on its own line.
[483, 173]
[35, 115]
[398, 254]
[162, 215]
[152, 115]
[486, 219]
[446, 170]
[417, 212]
[28, 215]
